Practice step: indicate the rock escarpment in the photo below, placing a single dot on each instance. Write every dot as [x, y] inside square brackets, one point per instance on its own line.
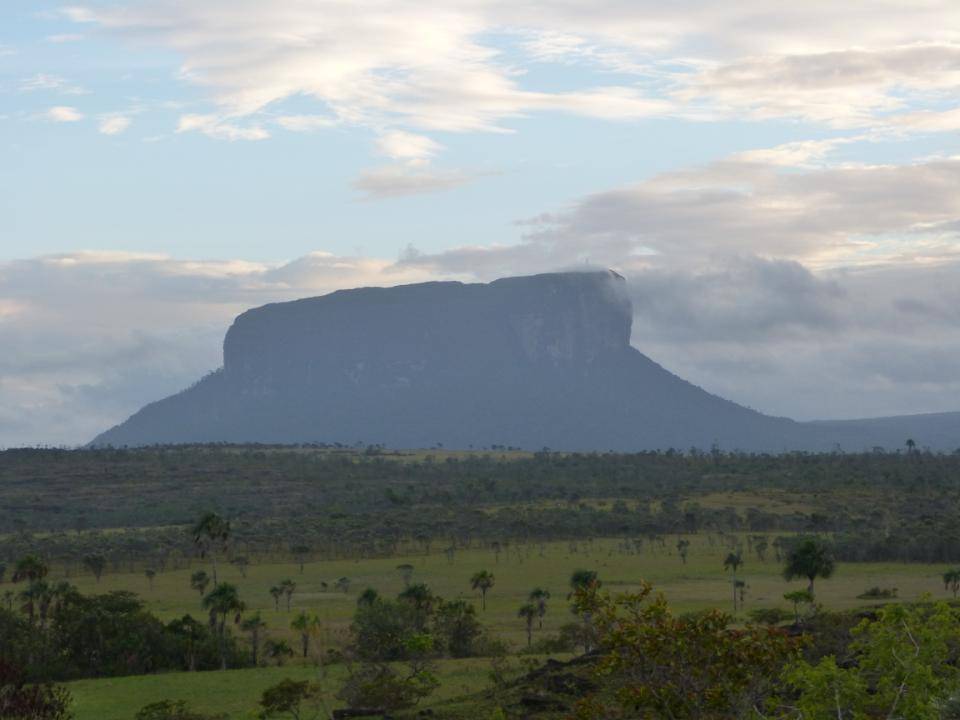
[539, 361]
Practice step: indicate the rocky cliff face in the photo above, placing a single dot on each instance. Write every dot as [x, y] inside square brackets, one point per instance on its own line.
[418, 334]
[529, 361]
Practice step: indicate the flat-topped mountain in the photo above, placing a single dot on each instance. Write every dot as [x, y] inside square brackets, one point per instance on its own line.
[538, 361]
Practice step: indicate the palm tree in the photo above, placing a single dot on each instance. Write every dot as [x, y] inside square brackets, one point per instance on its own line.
[732, 562]
[253, 625]
[528, 612]
[300, 553]
[539, 597]
[406, 572]
[36, 596]
[276, 592]
[306, 625]
[241, 562]
[810, 559]
[797, 597]
[199, 581]
[951, 581]
[210, 534]
[223, 601]
[368, 597]
[95, 564]
[581, 580]
[288, 587]
[29, 567]
[420, 597]
[482, 581]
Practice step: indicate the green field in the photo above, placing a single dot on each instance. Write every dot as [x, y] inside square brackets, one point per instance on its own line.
[701, 583]
[236, 692]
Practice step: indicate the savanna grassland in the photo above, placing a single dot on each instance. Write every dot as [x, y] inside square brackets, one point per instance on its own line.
[337, 521]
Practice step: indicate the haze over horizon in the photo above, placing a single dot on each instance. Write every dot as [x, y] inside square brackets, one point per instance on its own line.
[780, 189]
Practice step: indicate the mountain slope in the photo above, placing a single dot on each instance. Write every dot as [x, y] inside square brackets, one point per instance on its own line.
[539, 361]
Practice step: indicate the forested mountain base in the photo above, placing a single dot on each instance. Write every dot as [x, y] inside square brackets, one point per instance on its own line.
[131, 505]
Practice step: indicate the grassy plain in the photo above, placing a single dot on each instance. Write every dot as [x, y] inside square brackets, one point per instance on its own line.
[237, 692]
[698, 584]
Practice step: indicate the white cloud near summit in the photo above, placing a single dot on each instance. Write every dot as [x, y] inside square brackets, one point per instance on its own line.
[443, 66]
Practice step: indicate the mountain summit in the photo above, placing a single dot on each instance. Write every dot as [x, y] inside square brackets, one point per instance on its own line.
[533, 362]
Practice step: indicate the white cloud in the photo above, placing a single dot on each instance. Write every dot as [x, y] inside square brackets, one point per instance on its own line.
[54, 83]
[394, 181]
[305, 123]
[407, 147]
[63, 114]
[218, 128]
[114, 124]
[443, 67]
[7, 50]
[91, 337]
[64, 38]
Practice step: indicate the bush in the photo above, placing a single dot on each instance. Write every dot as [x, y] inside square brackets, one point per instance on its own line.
[878, 593]
[379, 687]
[555, 643]
[19, 701]
[173, 710]
[770, 616]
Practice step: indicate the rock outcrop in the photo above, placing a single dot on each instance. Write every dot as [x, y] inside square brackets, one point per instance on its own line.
[539, 361]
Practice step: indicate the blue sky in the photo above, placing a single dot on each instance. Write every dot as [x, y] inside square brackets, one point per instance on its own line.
[780, 188]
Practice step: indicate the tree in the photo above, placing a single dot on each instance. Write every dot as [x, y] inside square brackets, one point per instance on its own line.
[242, 562]
[300, 553]
[951, 581]
[482, 581]
[95, 564]
[406, 572]
[276, 592]
[36, 596]
[810, 558]
[191, 634]
[456, 627]
[211, 534]
[732, 562]
[903, 667]
[655, 664]
[539, 596]
[199, 581]
[253, 625]
[150, 574]
[288, 587]
[30, 568]
[528, 612]
[305, 625]
[683, 547]
[368, 597]
[22, 701]
[581, 579]
[798, 598]
[421, 599]
[222, 602]
[760, 547]
[173, 710]
[298, 700]
[280, 651]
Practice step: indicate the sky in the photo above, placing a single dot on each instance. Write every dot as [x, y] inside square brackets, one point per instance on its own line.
[780, 184]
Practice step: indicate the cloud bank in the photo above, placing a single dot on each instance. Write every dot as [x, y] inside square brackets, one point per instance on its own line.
[824, 292]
